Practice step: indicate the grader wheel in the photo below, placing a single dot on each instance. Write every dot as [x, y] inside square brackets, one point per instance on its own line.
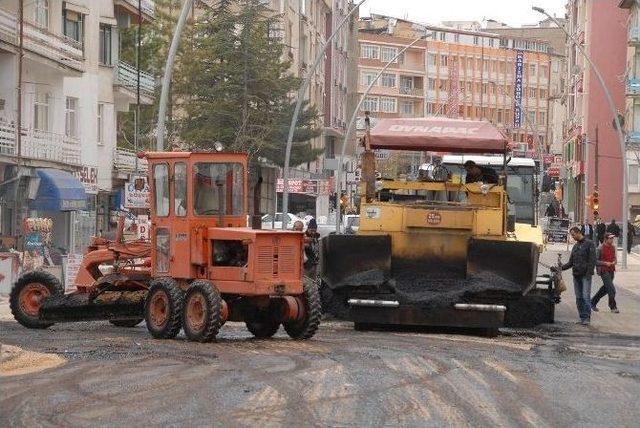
[163, 308]
[307, 326]
[262, 325]
[203, 308]
[28, 294]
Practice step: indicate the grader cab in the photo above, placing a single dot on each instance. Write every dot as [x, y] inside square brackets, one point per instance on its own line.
[201, 268]
[436, 252]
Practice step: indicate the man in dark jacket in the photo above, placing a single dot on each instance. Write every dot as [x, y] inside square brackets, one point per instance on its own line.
[582, 263]
[601, 230]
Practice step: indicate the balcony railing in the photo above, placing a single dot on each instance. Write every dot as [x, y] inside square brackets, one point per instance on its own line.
[56, 47]
[124, 160]
[634, 35]
[147, 7]
[406, 90]
[633, 86]
[39, 145]
[126, 75]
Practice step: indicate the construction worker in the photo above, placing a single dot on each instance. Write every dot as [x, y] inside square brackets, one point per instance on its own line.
[477, 173]
[582, 262]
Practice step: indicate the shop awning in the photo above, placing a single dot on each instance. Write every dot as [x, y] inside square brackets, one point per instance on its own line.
[58, 191]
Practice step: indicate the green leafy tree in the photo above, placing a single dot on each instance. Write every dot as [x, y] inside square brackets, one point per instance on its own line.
[233, 86]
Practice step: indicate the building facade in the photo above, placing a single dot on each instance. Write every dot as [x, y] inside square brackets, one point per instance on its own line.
[600, 28]
[632, 108]
[57, 156]
[459, 72]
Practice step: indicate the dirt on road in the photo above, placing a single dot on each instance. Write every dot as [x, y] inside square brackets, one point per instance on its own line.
[118, 377]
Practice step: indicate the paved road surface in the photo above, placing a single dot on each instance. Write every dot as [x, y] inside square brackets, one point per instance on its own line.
[557, 375]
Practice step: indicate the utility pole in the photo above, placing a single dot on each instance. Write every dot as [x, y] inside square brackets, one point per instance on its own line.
[585, 145]
[16, 226]
[136, 122]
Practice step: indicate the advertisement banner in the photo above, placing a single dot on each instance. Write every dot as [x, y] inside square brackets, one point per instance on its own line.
[136, 193]
[88, 176]
[517, 95]
[307, 186]
[558, 230]
[454, 100]
[143, 227]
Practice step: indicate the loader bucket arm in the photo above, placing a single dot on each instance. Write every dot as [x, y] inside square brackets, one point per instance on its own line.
[352, 260]
[514, 261]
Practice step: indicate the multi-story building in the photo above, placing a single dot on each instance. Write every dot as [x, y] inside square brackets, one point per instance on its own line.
[599, 27]
[459, 73]
[71, 86]
[306, 26]
[632, 110]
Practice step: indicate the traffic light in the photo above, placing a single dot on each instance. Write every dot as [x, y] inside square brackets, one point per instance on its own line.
[595, 200]
[589, 201]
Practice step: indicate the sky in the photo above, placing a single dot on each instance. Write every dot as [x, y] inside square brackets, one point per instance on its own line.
[512, 12]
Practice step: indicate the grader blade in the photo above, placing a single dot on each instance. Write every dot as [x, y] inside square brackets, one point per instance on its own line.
[117, 305]
[511, 260]
[352, 261]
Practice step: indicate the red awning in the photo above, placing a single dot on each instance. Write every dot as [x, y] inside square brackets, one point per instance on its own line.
[438, 135]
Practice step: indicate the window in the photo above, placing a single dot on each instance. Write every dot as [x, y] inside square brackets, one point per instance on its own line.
[444, 60]
[533, 92]
[430, 108]
[532, 117]
[387, 54]
[41, 119]
[105, 44]
[456, 38]
[368, 77]
[499, 118]
[434, 35]
[161, 189]
[388, 80]
[555, 66]
[532, 70]
[431, 59]
[41, 13]
[162, 249]
[432, 84]
[100, 124]
[72, 25]
[218, 189]
[71, 117]
[491, 42]
[303, 49]
[406, 108]
[443, 36]
[388, 105]
[543, 94]
[303, 7]
[370, 52]
[180, 189]
[543, 118]
[370, 104]
[544, 70]
[476, 40]
[633, 175]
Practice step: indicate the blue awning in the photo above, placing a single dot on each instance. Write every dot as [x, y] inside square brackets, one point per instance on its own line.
[58, 191]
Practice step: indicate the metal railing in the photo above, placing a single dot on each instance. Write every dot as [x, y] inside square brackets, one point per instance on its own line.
[147, 7]
[125, 160]
[406, 90]
[40, 145]
[126, 75]
[56, 47]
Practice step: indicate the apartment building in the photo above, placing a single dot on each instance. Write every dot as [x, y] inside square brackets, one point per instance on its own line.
[600, 28]
[306, 25]
[57, 155]
[459, 72]
[632, 109]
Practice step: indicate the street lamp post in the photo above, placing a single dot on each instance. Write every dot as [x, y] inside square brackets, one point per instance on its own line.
[614, 112]
[353, 120]
[296, 111]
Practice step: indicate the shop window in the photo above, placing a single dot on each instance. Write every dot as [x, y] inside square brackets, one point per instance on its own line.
[180, 190]
[161, 189]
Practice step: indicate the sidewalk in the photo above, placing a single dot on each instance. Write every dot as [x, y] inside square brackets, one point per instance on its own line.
[627, 283]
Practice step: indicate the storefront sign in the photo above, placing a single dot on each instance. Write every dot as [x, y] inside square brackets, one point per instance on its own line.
[136, 193]
[558, 230]
[72, 205]
[71, 267]
[143, 227]
[308, 186]
[517, 112]
[382, 154]
[88, 176]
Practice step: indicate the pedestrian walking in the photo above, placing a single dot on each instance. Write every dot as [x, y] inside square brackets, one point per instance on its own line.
[551, 211]
[606, 267]
[587, 229]
[582, 262]
[601, 230]
[614, 229]
[631, 232]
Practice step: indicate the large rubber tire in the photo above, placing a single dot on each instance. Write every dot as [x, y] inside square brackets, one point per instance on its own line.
[126, 323]
[307, 327]
[163, 308]
[27, 295]
[263, 326]
[202, 316]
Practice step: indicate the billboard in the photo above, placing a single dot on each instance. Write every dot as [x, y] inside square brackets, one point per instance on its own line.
[136, 193]
[517, 95]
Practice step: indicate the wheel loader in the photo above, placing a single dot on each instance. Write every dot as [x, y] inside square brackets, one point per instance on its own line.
[202, 266]
[445, 253]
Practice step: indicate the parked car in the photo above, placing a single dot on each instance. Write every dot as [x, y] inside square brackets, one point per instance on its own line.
[267, 221]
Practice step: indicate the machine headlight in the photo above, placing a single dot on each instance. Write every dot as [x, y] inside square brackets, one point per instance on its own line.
[218, 146]
[484, 188]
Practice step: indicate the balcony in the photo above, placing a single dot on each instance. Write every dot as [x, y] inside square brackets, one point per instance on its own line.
[39, 145]
[634, 36]
[130, 7]
[633, 87]
[125, 76]
[56, 47]
[124, 161]
[415, 92]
